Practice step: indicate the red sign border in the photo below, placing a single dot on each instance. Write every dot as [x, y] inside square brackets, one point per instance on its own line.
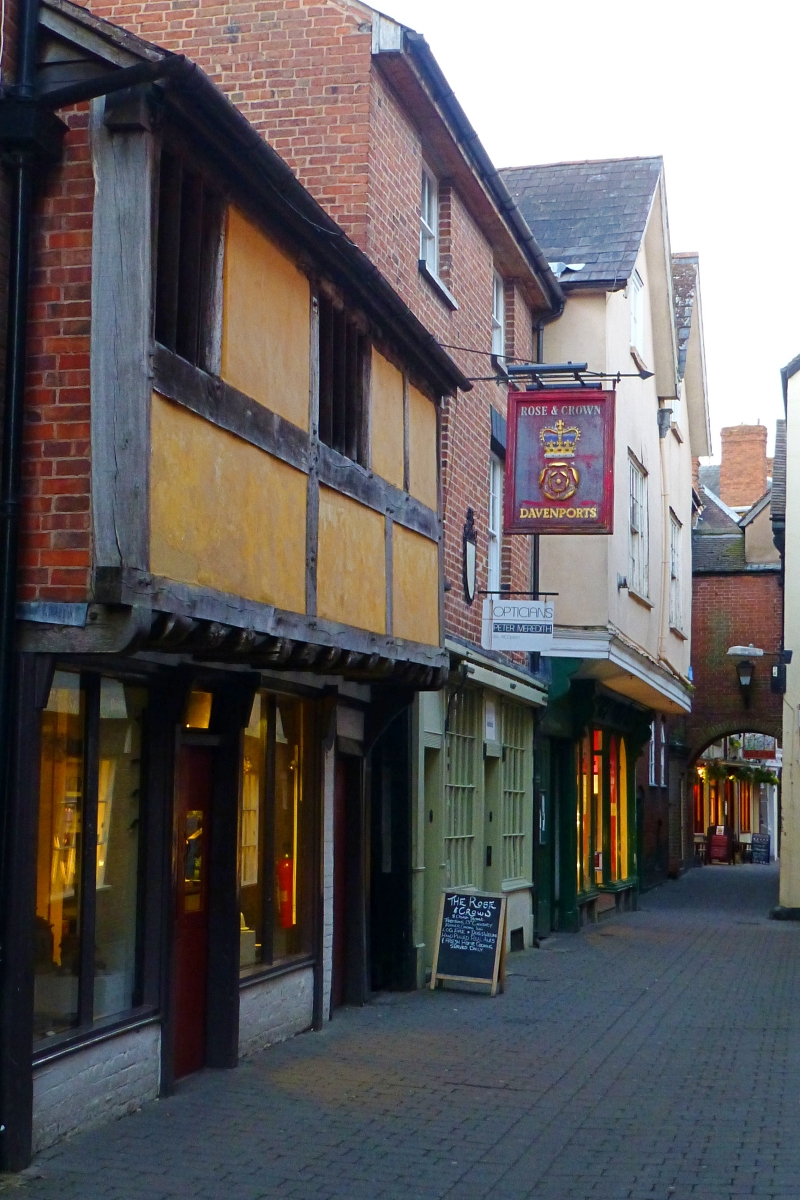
[545, 396]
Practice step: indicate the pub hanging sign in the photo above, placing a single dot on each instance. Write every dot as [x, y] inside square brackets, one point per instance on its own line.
[560, 462]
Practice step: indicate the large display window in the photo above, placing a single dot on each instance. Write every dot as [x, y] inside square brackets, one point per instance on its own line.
[602, 816]
[275, 833]
[86, 943]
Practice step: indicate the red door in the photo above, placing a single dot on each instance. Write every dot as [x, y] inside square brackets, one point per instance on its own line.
[193, 805]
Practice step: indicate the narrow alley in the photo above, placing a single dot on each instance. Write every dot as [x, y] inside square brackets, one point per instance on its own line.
[656, 1054]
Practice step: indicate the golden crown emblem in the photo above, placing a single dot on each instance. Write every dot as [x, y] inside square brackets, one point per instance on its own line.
[560, 442]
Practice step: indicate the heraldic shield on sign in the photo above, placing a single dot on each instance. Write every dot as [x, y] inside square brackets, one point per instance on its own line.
[560, 461]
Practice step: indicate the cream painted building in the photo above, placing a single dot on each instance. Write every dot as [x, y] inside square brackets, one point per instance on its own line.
[621, 659]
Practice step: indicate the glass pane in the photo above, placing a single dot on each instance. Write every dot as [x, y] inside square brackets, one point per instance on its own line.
[198, 710]
[597, 789]
[58, 875]
[117, 871]
[286, 934]
[193, 863]
[251, 838]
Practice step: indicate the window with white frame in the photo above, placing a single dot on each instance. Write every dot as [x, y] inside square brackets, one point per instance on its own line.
[498, 318]
[637, 313]
[496, 472]
[675, 581]
[429, 222]
[662, 752]
[638, 575]
[651, 776]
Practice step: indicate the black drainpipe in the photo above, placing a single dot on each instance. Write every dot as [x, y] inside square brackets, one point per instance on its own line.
[28, 136]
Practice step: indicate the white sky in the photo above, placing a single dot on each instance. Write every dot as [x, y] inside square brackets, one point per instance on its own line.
[710, 85]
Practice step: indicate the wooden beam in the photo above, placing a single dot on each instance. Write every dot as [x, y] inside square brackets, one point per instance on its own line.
[122, 277]
[228, 408]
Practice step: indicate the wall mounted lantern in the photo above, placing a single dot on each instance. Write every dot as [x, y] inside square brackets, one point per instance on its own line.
[743, 656]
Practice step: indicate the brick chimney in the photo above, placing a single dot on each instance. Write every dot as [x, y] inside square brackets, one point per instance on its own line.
[743, 467]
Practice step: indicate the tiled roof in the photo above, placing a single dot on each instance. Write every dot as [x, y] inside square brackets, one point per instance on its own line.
[684, 288]
[718, 552]
[588, 212]
[778, 502]
[709, 477]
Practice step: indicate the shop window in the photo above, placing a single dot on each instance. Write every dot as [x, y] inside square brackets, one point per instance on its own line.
[275, 830]
[86, 945]
[745, 806]
[597, 800]
[584, 814]
[459, 839]
[699, 806]
[187, 261]
[517, 799]
[716, 814]
[343, 350]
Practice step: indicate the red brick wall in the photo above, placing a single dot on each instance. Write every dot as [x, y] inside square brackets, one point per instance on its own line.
[55, 546]
[302, 72]
[733, 610]
[743, 465]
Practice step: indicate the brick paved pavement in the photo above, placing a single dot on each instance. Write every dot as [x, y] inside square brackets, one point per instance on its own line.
[657, 1055]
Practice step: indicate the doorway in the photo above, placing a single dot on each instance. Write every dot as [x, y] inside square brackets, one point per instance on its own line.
[349, 916]
[393, 965]
[192, 832]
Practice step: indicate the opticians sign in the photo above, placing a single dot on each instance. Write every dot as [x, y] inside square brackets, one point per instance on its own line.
[517, 624]
[560, 462]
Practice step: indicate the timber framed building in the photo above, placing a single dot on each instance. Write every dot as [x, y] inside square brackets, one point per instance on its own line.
[231, 590]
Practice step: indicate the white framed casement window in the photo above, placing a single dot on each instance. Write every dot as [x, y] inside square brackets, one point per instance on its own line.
[675, 573]
[637, 313]
[639, 573]
[651, 775]
[499, 318]
[429, 222]
[496, 473]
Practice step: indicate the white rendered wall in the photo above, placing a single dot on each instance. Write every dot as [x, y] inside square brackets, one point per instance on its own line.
[94, 1085]
[274, 1010]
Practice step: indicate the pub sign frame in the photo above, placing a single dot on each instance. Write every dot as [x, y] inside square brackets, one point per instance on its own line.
[560, 461]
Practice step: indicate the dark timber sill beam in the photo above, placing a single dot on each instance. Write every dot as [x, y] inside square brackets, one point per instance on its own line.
[226, 407]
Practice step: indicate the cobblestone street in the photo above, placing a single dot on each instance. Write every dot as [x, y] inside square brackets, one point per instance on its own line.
[655, 1055]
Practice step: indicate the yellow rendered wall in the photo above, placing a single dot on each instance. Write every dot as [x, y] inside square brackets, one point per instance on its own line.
[224, 514]
[386, 425]
[422, 449]
[415, 587]
[351, 563]
[265, 322]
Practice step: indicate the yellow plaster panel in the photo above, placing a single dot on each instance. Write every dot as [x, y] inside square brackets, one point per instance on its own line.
[387, 420]
[224, 514]
[265, 322]
[351, 563]
[415, 587]
[422, 452]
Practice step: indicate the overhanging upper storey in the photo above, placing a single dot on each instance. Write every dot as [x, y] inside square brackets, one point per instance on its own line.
[407, 62]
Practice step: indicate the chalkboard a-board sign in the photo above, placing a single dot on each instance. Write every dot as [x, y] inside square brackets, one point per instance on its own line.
[760, 848]
[470, 943]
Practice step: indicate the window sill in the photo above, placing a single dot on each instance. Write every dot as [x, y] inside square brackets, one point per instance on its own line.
[79, 1039]
[637, 358]
[436, 283]
[516, 885]
[676, 433]
[640, 599]
[618, 885]
[679, 633]
[264, 974]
